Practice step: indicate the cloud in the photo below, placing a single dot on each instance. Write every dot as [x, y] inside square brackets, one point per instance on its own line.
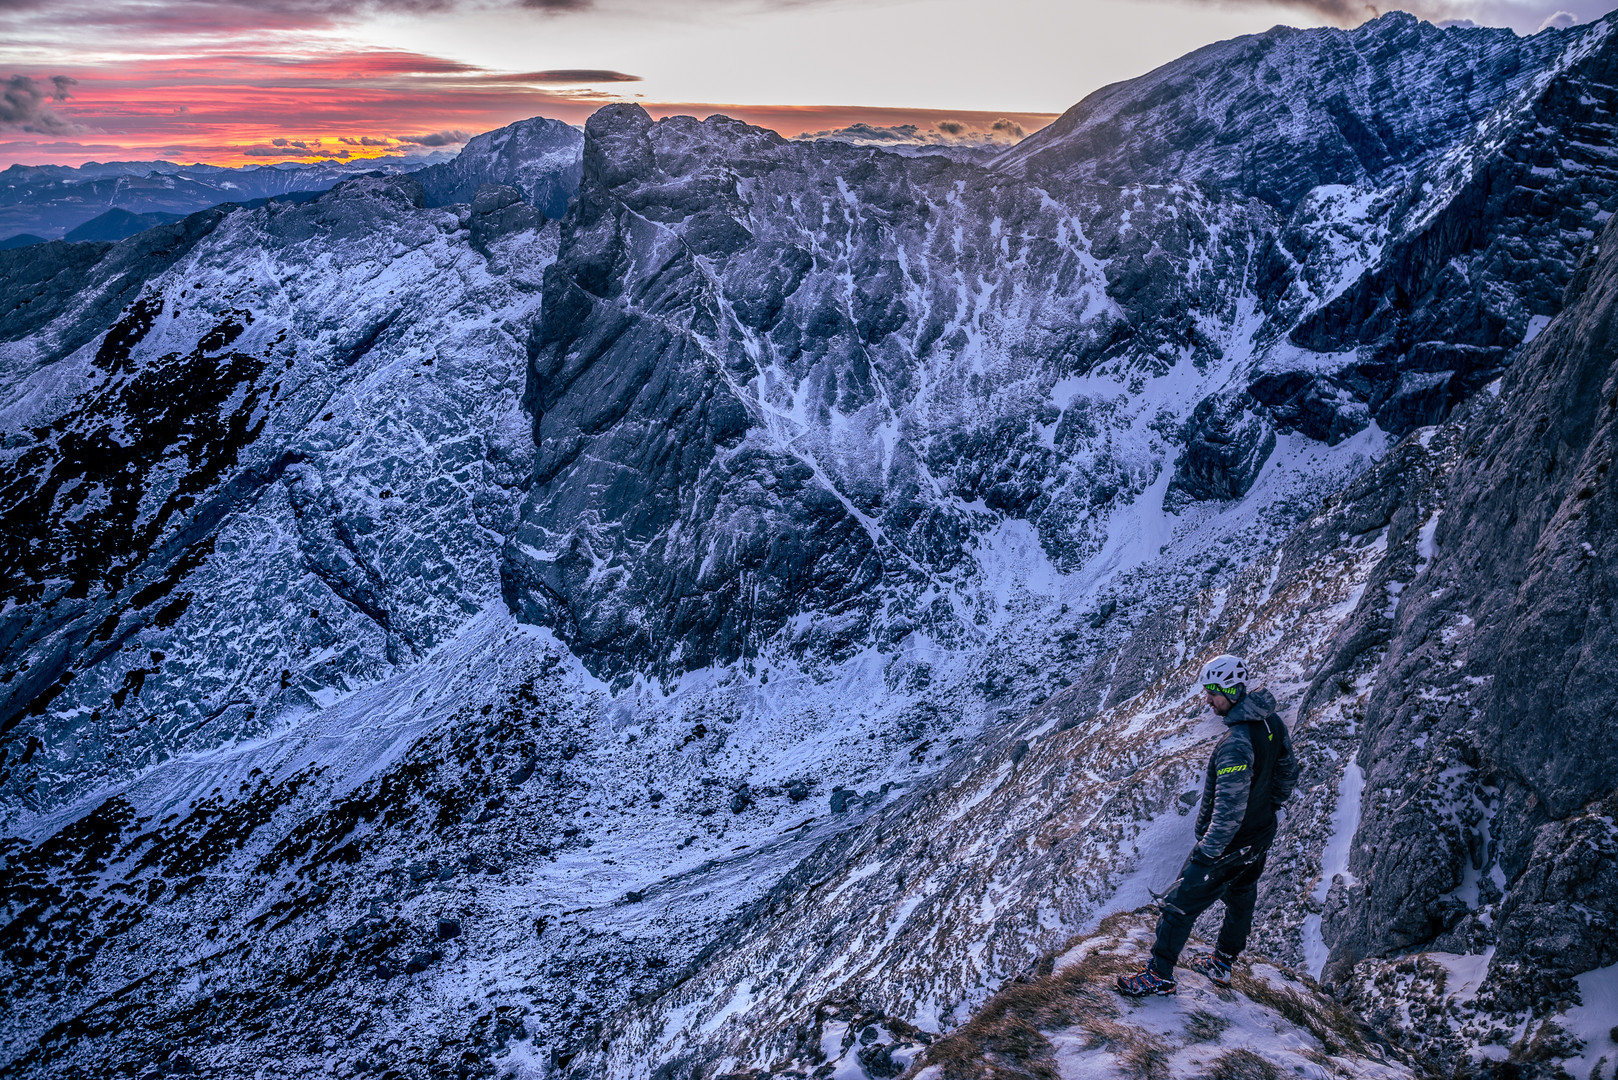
[951, 127]
[290, 148]
[436, 138]
[25, 104]
[163, 23]
[215, 102]
[571, 75]
[1008, 127]
[1559, 20]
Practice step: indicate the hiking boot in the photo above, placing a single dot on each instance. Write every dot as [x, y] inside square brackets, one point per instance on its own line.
[1215, 965]
[1144, 982]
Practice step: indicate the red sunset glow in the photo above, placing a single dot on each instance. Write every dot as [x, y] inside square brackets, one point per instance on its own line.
[238, 108]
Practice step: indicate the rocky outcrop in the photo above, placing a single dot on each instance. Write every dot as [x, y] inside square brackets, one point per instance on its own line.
[56, 297]
[209, 516]
[1225, 447]
[1481, 266]
[1466, 168]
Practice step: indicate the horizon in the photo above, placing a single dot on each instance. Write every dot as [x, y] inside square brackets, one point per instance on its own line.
[309, 81]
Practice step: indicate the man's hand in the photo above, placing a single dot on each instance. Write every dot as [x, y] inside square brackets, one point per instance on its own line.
[1197, 869]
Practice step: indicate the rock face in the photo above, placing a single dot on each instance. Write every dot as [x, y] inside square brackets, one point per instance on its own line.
[268, 555]
[57, 297]
[732, 436]
[1225, 447]
[1487, 240]
[831, 438]
[1494, 771]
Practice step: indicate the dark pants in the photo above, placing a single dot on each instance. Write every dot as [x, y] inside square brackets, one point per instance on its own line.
[1234, 880]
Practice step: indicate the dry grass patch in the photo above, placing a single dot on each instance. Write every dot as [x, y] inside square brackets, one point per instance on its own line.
[1005, 1040]
[1203, 1026]
[1243, 1065]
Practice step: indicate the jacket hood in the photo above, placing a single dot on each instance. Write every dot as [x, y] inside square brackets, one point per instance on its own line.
[1253, 707]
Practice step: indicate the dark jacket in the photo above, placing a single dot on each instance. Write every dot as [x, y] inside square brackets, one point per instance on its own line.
[1252, 772]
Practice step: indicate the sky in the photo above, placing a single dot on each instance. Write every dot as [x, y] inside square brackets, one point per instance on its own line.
[233, 82]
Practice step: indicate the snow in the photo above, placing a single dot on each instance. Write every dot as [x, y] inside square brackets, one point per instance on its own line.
[1345, 822]
[1426, 547]
[1163, 846]
[740, 1001]
[1466, 973]
[1594, 1020]
[523, 1060]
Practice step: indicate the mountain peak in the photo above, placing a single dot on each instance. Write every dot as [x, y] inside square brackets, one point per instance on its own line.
[1275, 115]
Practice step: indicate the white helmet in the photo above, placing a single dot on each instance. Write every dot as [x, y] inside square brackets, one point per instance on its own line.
[1224, 675]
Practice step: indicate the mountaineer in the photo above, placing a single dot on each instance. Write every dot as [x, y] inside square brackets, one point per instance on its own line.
[1251, 774]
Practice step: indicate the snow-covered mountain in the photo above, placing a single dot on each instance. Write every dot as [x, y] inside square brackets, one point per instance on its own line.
[1275, 115]
[447, 639]
[539, 157]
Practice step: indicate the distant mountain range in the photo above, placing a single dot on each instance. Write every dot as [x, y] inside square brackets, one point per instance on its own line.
[50, 201]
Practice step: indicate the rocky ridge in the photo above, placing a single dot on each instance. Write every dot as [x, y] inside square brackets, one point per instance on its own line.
[1275, 115]
[539, 156]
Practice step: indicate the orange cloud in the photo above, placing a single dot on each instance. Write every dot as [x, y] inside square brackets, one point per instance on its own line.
[228, 108]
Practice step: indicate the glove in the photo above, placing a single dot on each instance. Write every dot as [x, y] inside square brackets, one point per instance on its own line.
[1196, 871]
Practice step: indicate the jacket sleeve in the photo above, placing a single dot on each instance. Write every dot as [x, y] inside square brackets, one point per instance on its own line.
[1233, 779]
[1285, 779]
[1205, 808]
